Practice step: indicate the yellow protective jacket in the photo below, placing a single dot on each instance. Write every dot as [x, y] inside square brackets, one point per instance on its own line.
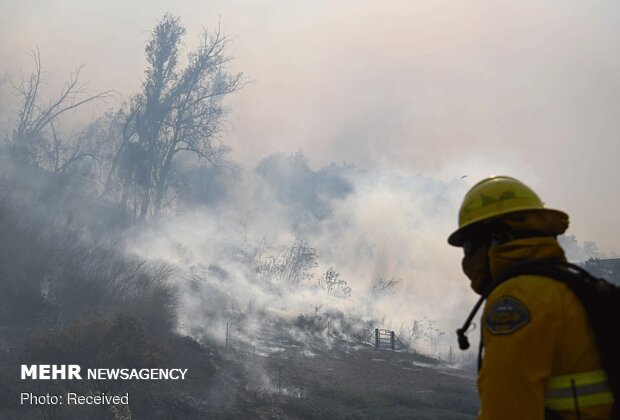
[536, 339]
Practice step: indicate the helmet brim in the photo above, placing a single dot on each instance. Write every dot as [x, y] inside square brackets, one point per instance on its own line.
[458, 237]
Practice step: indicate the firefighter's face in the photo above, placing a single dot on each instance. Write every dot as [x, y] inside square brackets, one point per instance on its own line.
[476, 265]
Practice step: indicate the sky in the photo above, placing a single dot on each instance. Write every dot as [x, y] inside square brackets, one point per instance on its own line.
[444, 89]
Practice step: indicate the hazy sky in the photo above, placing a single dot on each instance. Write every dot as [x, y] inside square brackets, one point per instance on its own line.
[441, 88]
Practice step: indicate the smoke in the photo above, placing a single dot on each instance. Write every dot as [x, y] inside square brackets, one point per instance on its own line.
[526, 89]
[252, 247]
[580, 252]
[5, 105]
[447, 89]
[259, 251]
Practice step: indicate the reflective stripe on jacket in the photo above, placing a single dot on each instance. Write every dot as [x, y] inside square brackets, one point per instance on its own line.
[532, 347]
[576, 391]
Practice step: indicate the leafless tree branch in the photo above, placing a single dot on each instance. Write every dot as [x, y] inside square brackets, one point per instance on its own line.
[35, 138]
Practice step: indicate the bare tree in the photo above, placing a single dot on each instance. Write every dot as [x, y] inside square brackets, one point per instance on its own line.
[297, 262]
[334, 285]
[292, 266]
[382, 287]
[35, 138]
[178, 110]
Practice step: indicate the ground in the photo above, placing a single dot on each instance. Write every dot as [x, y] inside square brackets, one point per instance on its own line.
[352, 382]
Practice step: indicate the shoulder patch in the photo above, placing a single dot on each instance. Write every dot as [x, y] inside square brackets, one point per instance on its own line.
[506, 315]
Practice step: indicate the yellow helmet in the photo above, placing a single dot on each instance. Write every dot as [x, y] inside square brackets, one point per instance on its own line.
[497, 196]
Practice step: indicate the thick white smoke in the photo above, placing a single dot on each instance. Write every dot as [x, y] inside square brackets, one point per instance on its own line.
[367, 225]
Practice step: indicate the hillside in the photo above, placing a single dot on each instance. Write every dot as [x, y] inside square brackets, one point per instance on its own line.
[293, 380]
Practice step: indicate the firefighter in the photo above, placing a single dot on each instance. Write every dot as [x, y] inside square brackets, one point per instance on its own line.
[540, 358]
